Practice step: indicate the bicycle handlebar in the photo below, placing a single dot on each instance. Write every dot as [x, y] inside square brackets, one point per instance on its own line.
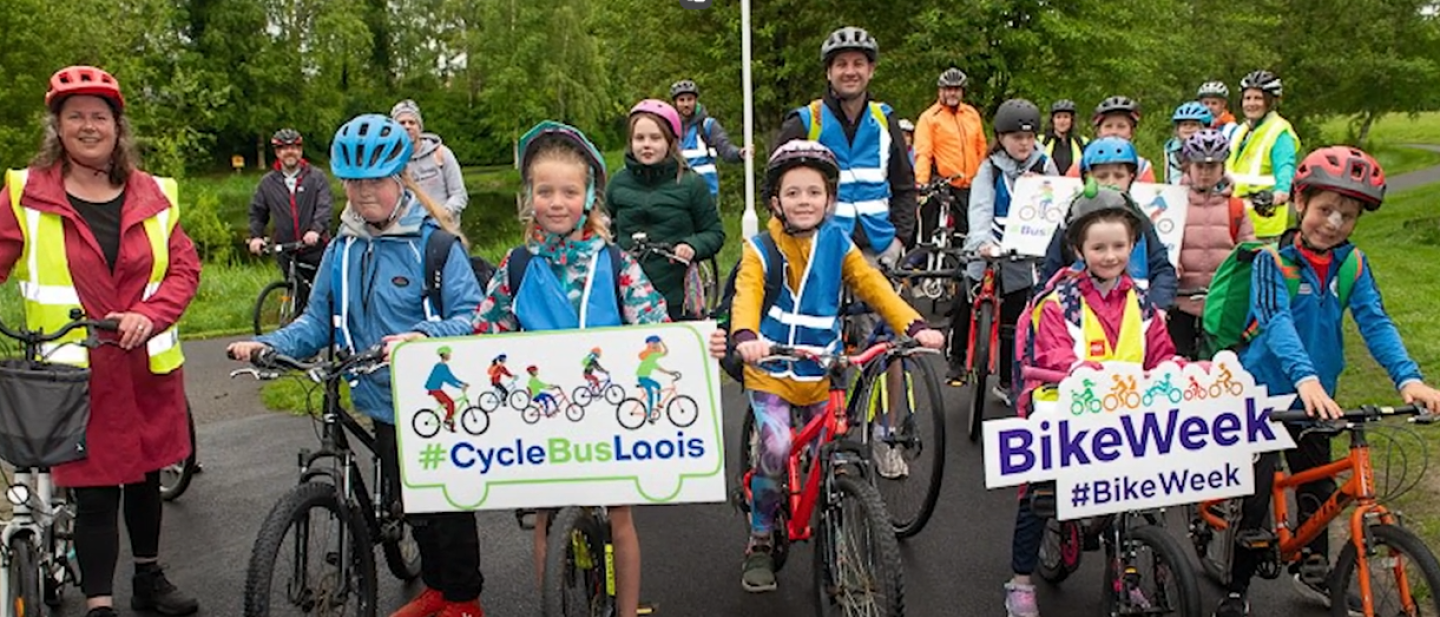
[37, 337]
[270, 364]
[964, 257]
[642, 244]
[272, 248]
[935, 184]
[784, 353]
[1365, 413]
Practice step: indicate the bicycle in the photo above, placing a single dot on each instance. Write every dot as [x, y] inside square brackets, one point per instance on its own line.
[37, 557]
[278, 303]
[474, 420]
[681, 409]
[176, 478]
[944, 236]
[1164, 583]
[535, 409]
[607, 389]
[701, 283]
[1376, 531]
[825, 478]
[490, 400]
[351, 519]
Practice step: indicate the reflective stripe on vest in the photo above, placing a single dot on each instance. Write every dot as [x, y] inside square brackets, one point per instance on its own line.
[49, 291]
[1076, 152]
[699, 155]
[1251, 169]
[541, 303]
[807, 318]
[864, 168]
[1091, 343]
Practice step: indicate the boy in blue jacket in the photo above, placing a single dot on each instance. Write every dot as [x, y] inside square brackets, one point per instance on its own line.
[1299, 349]
[1112, 161]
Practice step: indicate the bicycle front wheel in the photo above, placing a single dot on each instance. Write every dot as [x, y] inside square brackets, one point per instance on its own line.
[402, 551]
[274, 307]
[917, 432]
[1404, 577]
[174, 479]
[980, 359]
[25, 598]
[1215, 547]
[1149, 574]
[857, 559]
[632, 413]
[575, 581]
[1060, 550]
[313, 556]
[474, 421]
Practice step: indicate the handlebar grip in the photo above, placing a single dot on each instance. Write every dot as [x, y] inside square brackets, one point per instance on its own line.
[108, 325]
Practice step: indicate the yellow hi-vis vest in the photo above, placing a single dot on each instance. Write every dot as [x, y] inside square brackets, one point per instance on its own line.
[49, 293]
[1250, 168]
[1092, 344]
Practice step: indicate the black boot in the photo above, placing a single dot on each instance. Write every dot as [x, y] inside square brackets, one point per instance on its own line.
[102, 611]
[153, 592]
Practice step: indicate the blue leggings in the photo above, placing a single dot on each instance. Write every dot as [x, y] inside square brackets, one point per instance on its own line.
[652, 391]
[772, 422]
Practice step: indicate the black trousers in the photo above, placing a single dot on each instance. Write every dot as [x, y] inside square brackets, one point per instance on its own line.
[449, 542]
[1310, 452]
[97, 529]
[1185, 333]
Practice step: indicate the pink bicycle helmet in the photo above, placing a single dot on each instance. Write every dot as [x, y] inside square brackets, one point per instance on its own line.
[662, 109]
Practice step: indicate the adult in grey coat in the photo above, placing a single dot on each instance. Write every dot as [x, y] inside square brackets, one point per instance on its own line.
[432, 164]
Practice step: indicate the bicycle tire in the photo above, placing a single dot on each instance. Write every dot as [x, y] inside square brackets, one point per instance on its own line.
[64, 570]
[489, 401]
[175, 479]
[614, 394]
[1396, 538]
[710, 283]
[632, 413]
[1059, 562]
[520, 399]
[980, 360]
[575, 558]
[683, 411]
[886, 575]
[574, 413]
[532, 413]
[402, 552]
[425, 423]
[474, 421]
[1214, 548]
[294, 507]
[919, 377]
[25, 589]
[261, 316]
[1166, 550]
[582, 396]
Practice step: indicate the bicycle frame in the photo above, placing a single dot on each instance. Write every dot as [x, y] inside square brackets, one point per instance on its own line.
[25, 520]
[985, 295]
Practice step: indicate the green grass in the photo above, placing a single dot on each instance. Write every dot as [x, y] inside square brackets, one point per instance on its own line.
[1388, 138]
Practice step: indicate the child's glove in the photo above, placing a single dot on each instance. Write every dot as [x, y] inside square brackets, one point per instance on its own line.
[891, 255]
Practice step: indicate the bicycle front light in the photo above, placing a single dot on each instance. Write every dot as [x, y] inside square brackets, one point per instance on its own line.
[18, 494]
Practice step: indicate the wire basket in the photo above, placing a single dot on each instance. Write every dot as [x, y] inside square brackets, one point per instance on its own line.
[44, 409]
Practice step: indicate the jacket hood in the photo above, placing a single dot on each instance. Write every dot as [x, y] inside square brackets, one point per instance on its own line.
[699, 116]
[304, 165]
[412, 218]
[1012, 167]
[429, 142]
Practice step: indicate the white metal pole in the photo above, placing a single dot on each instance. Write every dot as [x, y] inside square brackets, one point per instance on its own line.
[750, 222]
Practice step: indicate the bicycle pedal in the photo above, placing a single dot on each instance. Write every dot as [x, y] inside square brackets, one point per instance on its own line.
[1313, 570]
[647, 608]
[1255, 539]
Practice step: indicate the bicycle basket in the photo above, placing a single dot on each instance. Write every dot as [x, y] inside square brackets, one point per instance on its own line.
[46, 408]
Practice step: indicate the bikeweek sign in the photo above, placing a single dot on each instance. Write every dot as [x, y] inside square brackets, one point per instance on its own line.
[1037, 208]
[606, 416]
[1119, 440]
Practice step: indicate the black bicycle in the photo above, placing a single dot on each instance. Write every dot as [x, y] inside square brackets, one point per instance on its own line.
[319, 538]
[279, 302]
[701, 283]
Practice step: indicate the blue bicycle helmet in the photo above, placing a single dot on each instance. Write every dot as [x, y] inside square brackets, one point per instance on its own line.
[1109, 150]
[1194, 111]
[368, 147]
[652, 339]
[548, 131]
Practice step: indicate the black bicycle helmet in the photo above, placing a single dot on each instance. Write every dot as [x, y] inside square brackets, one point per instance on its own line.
[1264, 81]
[1016, 115]
[286, 137]
[849, 38]
[1117, 104]
[1062, 106]
[952, 78]
[683, 86]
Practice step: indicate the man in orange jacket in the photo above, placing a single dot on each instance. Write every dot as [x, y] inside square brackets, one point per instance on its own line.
[949, 141]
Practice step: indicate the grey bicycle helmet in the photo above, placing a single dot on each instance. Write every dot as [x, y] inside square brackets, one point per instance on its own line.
[1094, 201]
[1117, 104]
[1016, 115]
[849, 38]
[1205, 146]
[1213, 89]
[683, 86]
[1062, 106]
[952, 78]
[1264, 81]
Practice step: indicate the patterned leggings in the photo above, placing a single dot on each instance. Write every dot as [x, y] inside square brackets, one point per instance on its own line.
[772, 422]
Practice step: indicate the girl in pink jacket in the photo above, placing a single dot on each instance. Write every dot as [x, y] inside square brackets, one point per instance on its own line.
[1215, 224]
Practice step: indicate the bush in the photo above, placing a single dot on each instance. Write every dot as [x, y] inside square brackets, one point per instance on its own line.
[214, 240]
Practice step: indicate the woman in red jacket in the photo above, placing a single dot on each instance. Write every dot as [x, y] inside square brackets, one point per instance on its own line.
[85, 207]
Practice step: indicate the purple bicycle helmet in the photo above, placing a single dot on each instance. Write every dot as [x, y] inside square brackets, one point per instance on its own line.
[1205, 146]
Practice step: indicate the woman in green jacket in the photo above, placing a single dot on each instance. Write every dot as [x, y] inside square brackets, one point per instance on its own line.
[658, 195]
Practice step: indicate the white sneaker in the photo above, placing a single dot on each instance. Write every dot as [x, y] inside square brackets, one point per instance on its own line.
[1003, 394]
[889, 462]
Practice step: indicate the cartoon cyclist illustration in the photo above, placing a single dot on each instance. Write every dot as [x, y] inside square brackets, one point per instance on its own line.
[441, 376]
[655, 349]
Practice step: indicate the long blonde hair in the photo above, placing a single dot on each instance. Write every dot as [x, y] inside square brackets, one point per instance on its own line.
[598, 219]
[441, 215]
[124, 160]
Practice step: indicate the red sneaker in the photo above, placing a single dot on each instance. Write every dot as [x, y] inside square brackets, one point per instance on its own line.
[428, 604]
[462, 609]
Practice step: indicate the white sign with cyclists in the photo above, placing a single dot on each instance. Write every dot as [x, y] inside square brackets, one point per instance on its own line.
[605, 416]
[1166, 205]
[1120, 440]
[1037, 208]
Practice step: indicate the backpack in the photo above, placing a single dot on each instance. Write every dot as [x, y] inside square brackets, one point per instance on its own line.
[518, 260]
[1226, 322]
[1237, 215]
[437, 251]
[774, 279]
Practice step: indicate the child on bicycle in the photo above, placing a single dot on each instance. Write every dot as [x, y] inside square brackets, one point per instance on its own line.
[657, 193]
[384, 229]
[591, 364]
[498, 372]
[540, 391]
[441, 376]
[1188, 119]
[655, 349]
[1096, 297]
[1119, 116]
[819, 261]
[1215, 223]
[1298, 349]
[1013, 155]
[564, 177]
[1112, 162]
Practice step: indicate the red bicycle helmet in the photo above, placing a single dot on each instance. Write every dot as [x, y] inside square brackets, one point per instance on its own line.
[73, 80]
[1345, 170]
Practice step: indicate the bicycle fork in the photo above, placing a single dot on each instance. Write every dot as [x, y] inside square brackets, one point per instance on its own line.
[25, 522]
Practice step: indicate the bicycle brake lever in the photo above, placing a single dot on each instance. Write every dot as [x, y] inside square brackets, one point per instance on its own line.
[258, 374]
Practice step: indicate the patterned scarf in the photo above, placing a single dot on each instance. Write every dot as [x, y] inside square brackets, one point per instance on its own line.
[560, 250]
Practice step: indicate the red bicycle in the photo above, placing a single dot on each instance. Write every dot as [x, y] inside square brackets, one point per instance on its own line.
[857, 558]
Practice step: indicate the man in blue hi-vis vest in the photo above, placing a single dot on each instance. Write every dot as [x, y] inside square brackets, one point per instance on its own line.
[704, 141]
[877, 180]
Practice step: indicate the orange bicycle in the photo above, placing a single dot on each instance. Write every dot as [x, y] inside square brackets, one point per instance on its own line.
[1399, 574]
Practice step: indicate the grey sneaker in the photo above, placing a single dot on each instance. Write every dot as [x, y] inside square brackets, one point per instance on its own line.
[889, 462]
[759, 570]
[1003, 394]
[1319, 593]
[1020, 600]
